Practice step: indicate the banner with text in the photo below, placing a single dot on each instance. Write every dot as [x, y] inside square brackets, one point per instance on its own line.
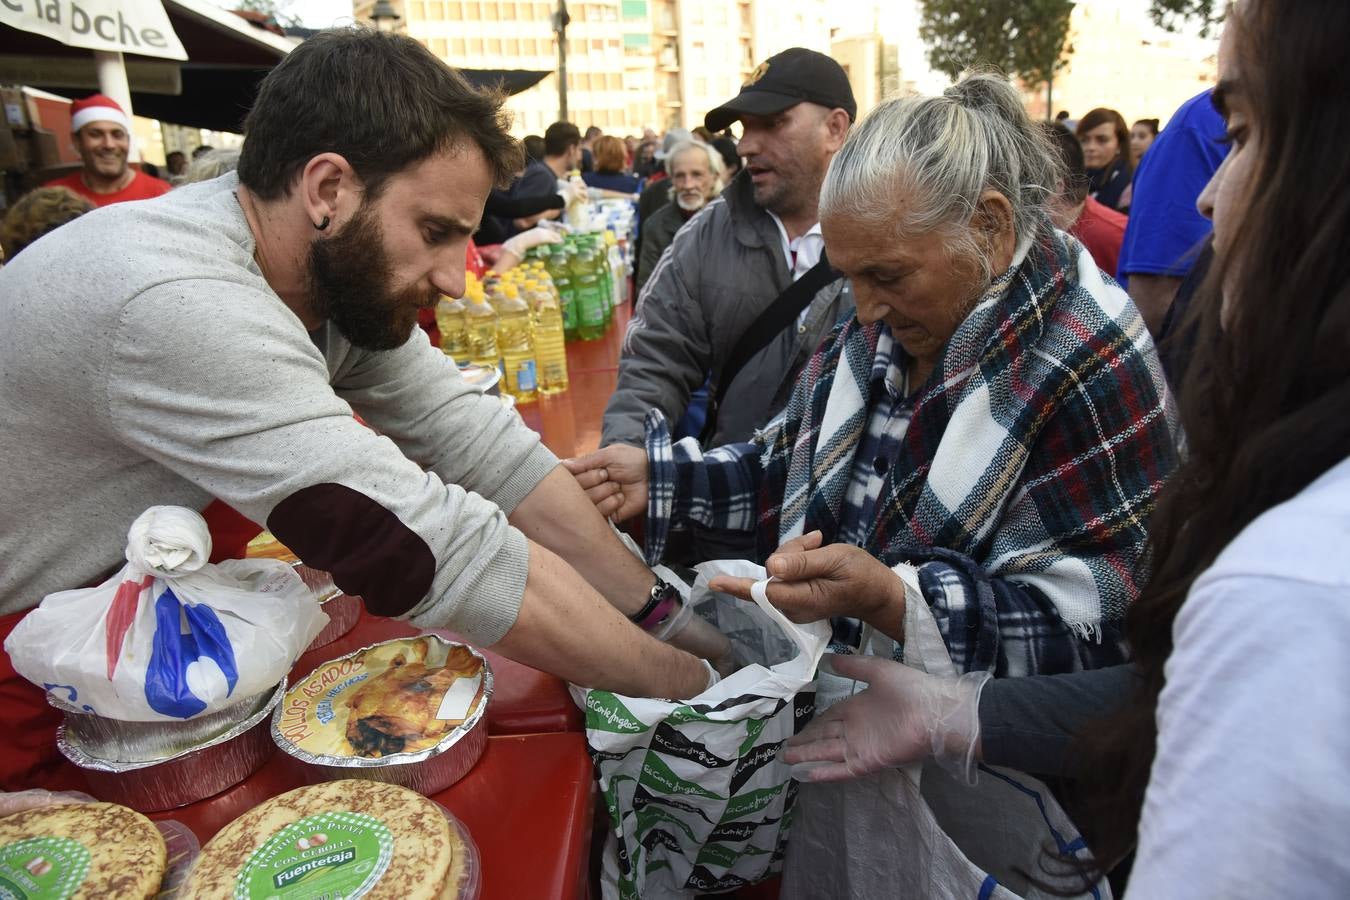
[129, 26]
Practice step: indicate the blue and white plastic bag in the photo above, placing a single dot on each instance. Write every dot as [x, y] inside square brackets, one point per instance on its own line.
[170, 636]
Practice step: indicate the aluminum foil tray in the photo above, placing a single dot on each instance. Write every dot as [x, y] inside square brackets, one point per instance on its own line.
[113, 740]
[343, 612]
[181, 778]
[319, 582]
[487, 380]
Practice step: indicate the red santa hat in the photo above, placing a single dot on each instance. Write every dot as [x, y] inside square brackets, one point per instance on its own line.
[97, 108]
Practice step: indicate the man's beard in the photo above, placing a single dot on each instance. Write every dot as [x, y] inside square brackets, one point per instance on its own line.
[349, 285]
[692, 203]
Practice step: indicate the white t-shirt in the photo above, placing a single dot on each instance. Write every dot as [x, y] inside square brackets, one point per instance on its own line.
[1250, 790]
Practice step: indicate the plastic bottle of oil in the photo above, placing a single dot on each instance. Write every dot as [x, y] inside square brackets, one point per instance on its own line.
[450, 321]
[539, 272]
[618, 271]
[605, 275]
[516, 341]
[492, 290]
[545, 281]
[550, 353]
[560, 273]
[590, 294]
[577, 213]
[480, 321]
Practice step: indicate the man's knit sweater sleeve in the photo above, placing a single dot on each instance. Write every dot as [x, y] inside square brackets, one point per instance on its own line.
[228, 392]
[415, 396]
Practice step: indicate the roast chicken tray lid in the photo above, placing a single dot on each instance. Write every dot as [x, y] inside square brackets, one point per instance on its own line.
[395, 702]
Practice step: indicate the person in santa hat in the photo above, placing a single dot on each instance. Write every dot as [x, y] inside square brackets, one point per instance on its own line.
[101, 133]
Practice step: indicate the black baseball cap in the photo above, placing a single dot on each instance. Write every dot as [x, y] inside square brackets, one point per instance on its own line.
[783, 80]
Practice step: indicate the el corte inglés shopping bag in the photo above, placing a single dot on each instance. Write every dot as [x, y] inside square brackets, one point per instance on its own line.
[696, 795]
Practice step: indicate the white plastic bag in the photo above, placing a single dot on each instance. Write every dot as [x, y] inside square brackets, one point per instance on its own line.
[170, 636]
[697, 797]
[918, 833]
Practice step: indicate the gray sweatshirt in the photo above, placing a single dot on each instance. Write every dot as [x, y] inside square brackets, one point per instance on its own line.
[144, 361]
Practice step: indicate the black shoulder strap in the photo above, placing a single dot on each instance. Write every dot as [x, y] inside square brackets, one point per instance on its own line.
[781, 313]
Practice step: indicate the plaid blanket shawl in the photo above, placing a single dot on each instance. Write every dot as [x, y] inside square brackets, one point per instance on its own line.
[1023, 486]
[1037, 447]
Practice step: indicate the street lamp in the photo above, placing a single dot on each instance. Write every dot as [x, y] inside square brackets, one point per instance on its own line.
[561, 20]
[384, 16]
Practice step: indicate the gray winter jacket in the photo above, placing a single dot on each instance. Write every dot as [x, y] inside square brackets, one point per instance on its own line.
[657, 233]
[721, 271]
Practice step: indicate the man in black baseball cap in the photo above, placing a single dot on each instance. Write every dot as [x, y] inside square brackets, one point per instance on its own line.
[794, 76]
[791, 110]
[706, 306]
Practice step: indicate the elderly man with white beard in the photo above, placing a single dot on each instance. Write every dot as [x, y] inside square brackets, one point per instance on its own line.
[695, 171]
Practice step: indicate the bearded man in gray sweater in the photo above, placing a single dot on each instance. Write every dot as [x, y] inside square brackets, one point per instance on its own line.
[221, 341]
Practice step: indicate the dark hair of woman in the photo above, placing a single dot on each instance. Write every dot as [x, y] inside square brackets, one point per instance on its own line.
[1103, 116]
[1266, 403]
[1150, 124]
[1110, 179]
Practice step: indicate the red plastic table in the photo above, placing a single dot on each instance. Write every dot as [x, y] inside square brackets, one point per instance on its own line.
[528, 805]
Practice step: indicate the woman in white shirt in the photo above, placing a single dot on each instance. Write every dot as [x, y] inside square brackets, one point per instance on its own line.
[1229, 766]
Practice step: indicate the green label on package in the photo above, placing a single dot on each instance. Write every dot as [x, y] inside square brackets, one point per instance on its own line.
[42, 868]
[339, 855]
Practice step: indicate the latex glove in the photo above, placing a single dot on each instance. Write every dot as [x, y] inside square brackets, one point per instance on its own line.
[573, 191]
[903, 716]
[11, 803]
[713, 675]
[520, 244]
[559, 228]
[811, 582]
[698, 636]
[614, 478]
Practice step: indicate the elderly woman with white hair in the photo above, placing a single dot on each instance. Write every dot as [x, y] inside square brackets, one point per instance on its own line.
[977, 449]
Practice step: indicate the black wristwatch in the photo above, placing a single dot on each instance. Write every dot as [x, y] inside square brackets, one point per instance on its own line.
[662, 602]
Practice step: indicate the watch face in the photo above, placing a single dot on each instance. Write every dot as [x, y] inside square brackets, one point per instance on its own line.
[662, 593]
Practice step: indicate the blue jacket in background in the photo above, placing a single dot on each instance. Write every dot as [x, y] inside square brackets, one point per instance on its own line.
[1165, 230]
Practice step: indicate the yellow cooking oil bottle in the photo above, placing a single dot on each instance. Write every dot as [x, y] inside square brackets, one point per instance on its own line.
[550, 354]
[492, 290]
[516, 342]
[450, 322]
[480, 321]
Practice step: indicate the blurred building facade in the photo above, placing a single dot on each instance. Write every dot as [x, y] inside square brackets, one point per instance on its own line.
[631, 64]
[1121, 60]
[872, 64]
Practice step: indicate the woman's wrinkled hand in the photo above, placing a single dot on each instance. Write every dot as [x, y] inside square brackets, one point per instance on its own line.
[814, 582]
[614, 478]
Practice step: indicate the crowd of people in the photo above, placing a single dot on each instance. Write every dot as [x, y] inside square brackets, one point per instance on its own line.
[1071, 395]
